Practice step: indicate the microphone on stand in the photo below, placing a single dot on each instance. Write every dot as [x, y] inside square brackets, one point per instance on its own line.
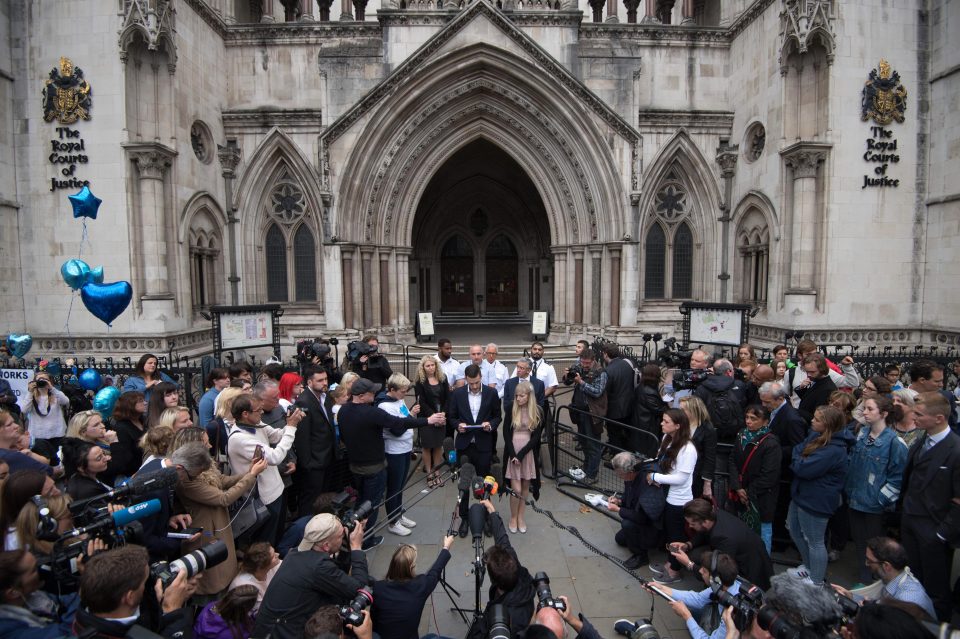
[467, 475]
[478, 518]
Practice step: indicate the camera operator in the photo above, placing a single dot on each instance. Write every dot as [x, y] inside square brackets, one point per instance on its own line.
[400, 597]
[719, 572]
[510, 583]
[640, 509]
[372, 365]
[316, 354]
[326, 623]
[725, 398]
[589, 382]
[811, 610]
[25, 611]
[310, 578]
[700, 360]
[549, 621]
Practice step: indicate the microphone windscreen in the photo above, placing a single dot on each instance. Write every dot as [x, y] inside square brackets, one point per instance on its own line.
[490, 482]
[467, 474]
[478, 517]
[449, 452]
[148, 482]
[138, 511]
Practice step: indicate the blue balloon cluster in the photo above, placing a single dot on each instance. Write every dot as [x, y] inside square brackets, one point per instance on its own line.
[76, 273]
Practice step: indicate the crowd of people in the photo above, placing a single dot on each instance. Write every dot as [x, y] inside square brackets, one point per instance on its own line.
[260, 474]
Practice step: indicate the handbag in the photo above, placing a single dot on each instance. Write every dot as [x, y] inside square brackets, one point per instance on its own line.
[247, 515]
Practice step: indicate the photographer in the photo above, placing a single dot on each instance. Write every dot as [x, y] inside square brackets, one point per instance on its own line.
[326, 623]
[113, 596]
[25, 611]
[589, 382]
[370, 364]
[43, 407]
[719, 572]
[510, 583]
[400, 597]
[802, 609]
[725, 398]
[550, 619]
[309, 578]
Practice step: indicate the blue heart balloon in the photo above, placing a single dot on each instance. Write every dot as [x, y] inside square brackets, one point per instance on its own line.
[19, 344]
[105, 400]
[75, 273]
[89, 379]
[85, 203]
[106, 301]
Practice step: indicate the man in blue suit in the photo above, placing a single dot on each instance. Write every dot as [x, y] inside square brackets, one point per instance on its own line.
[524, 366]
[474, 412]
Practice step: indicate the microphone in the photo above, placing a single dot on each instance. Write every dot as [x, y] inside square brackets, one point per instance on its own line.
[489, 486]
[449, 452]
[119, 519]
[467, 474]
[477, 487]
[478, 517]
[139, 484]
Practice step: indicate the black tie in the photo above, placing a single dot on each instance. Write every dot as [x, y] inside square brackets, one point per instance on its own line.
[533, 373]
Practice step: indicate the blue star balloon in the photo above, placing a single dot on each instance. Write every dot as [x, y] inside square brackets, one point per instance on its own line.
[85, 203]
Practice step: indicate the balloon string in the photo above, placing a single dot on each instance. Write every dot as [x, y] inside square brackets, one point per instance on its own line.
[84, 238]
[66, 324]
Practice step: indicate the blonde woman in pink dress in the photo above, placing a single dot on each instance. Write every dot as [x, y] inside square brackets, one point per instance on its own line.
[521, 441]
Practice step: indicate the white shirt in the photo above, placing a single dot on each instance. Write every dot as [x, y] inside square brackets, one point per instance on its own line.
[474, 399]
[449, 368]
[46, 421]
[248, 579]
[542, 371]
[680, 479]
[240, 449]
[495, 373]
[392, 444]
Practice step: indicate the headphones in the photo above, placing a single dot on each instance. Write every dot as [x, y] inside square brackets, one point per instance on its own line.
[46, 525]
[715, 584]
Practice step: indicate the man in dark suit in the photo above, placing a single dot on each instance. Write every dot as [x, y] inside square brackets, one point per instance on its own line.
[930, 527]
[620, 384]
[816, 389]
[524, 365]
[791, 429]
[474, 411]
[315, 441]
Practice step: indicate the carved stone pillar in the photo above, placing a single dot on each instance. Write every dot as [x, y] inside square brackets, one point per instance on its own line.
[387, 301]
[578, 284]
[306, 11]
[612, 11]
[596, 7]
[229, 156]
[727, 159]
[347, 252]
[687, 11]
[152, 162]
[402, 287]
[593, 314]
[324, 9]
[632, 6]
[805, 202]
[267, 15]
[650, 12]
[346, 10]
[560, 292]
[614, 319]
[366, 270]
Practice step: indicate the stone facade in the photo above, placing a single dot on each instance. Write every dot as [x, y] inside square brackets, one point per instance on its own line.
[603, 163]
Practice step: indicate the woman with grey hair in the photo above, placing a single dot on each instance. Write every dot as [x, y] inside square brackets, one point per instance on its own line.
[640, 508]
[206, 494]
[906, 427]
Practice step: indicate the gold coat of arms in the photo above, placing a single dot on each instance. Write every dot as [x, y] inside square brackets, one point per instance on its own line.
[66, 95]
[884, 98]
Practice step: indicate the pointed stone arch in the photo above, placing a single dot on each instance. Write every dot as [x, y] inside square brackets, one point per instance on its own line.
[755, 199]
[203, 250]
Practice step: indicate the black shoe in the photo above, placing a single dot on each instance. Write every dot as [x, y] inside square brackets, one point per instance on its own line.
[488, 529]
[464, 528]
[495, 459]
[372, 542]
[635, 562]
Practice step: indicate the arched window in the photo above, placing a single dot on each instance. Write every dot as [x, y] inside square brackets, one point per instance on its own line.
[656, 251]
[682, 262]
[206, 268]
[753, 246]
[276, 251]
[304, 265]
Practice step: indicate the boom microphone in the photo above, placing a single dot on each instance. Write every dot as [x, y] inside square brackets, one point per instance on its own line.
[139, 484]
[119, 519]
[467, 474]
[478, 517]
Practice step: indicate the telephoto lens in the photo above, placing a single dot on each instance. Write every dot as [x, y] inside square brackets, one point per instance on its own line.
[545, 598]
[645, 630]
[770, 620]
[192, 563]
[351, 517]
[352, 613]
[499, 623]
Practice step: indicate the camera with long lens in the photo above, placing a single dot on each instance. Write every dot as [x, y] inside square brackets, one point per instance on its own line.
[193, 563]
[545, 598]
[352, 613]
[746, 604]
[357, 349]
[342, 508]
[498, 623]
[315, 350]
[687, 378]
[42, 383]
[572, 373]
[643, 629]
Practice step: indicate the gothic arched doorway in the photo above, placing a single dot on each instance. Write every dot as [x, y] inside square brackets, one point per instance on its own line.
[481, 238]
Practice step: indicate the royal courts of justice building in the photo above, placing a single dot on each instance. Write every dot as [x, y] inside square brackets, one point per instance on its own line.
[358, 161]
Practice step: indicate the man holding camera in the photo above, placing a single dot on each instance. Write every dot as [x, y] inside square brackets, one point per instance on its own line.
[372, 365]
[549, 623]
[310, 578]
[589, 382]
[114, 600]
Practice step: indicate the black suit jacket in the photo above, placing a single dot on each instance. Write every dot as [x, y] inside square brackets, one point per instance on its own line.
[731, 536]
[510, 391]
[156, 526]
[791, 429]
[931, 484]
[620, 385]
[458, 411]
[314, 441]
[814, 396]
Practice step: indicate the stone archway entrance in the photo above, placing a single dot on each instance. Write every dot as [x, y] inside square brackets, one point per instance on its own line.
[481, 240]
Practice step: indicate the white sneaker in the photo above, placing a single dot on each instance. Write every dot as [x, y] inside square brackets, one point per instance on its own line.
[407, 523]
[576, 472]
[399, 529]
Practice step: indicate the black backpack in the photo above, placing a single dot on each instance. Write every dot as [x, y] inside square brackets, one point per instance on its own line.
[725, 413]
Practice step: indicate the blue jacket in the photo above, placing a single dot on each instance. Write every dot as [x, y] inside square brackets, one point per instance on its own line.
[137, 383]
[205, 408]
[876, 471]
[818, 479]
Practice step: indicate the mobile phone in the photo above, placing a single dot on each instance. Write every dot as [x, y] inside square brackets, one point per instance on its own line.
[258, 453]
[186, 533]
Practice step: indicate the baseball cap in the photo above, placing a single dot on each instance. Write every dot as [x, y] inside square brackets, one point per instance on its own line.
[318, 528]
[362, 386]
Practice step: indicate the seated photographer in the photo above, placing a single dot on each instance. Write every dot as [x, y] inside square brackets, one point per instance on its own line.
[25, 611]
[310, 578]
[510, 583]
[548, 624]
[640, 509]
[719, 572]
[230, 617]
[114, 598]
[399, 598]
[326, 623]
[724, 532]
[798, 608]
[887, 561]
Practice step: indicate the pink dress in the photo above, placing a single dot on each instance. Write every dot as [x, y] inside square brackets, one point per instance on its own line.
[526, 469]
